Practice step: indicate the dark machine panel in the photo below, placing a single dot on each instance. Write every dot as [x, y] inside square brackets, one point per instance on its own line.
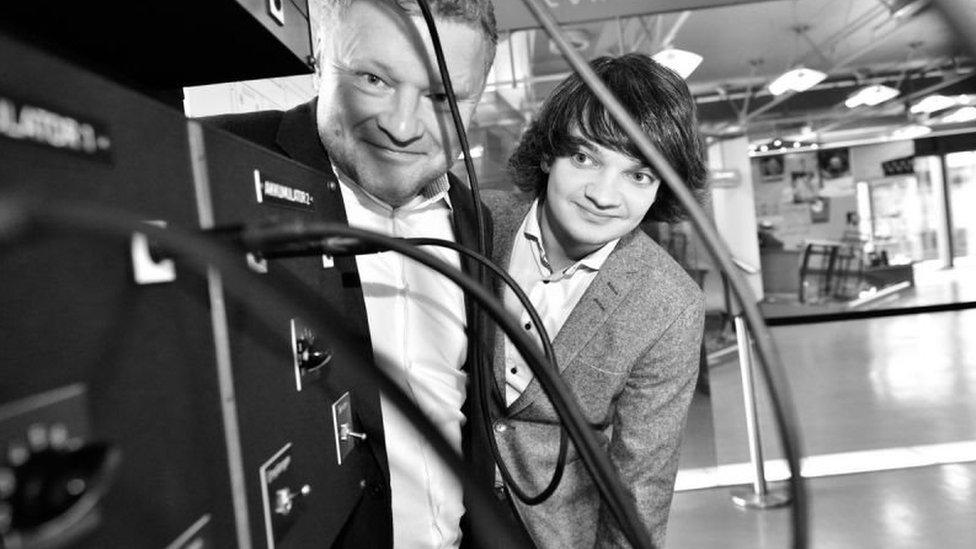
[108, 386]
[297, 402]
[158, 45]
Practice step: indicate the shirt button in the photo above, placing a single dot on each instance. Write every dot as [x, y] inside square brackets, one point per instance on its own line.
[514, 370]
[528, 326]
[501, 426]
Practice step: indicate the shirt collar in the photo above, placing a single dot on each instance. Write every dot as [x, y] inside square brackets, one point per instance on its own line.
[593, 261]
[433, 192]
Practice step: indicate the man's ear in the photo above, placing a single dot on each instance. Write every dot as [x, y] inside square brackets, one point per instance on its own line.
[544, 165]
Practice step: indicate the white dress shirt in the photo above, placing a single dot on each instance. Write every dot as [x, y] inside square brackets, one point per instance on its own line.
[554, 295]
[416, 323]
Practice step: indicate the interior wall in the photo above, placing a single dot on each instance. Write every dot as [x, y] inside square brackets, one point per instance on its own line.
[734, 209]
[810, 195]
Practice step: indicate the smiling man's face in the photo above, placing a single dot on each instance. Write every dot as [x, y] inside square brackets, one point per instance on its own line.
[382, 113]
[593, 196]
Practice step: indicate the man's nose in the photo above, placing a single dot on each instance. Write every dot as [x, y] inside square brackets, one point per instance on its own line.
[602, 189]
[401, 121]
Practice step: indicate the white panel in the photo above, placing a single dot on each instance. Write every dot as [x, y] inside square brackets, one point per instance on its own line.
[734, 208]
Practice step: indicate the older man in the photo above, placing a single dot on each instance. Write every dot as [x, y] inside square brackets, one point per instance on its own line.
[381, 124]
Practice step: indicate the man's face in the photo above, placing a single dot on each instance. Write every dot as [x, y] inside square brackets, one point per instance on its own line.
[382, 113]
[596, 195]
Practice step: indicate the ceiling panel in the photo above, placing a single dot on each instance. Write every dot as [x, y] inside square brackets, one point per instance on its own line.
[746, 45]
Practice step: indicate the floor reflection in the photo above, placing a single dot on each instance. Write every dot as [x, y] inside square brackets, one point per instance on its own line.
[888, 415]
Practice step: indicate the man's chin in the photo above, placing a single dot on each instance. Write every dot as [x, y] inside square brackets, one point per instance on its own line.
[392, 196]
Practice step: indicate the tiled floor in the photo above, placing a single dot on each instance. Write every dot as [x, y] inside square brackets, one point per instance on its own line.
[888, 394]
[926, 508]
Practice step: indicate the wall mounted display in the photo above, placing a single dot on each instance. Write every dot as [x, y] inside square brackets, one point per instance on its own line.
[834, 166]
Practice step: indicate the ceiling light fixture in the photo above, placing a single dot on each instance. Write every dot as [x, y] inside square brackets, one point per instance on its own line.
[797, 80]
[960, 115]
[933, 103]
[911, 131]
[780, 146]
[871, 96]
[680, 61]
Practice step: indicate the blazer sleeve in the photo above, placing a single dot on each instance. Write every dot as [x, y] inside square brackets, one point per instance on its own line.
[648, 424]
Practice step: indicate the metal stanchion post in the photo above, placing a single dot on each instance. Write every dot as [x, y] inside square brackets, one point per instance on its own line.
[760, 497]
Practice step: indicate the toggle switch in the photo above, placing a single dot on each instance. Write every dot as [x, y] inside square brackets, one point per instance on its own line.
[345, 432]
[343, 427]
[285, 499]
[283, 504]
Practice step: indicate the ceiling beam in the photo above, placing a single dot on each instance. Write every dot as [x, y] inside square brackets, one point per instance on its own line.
[513, 15]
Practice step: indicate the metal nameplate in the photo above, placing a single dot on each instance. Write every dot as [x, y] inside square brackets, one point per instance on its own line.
[270, 191]
[53, 129]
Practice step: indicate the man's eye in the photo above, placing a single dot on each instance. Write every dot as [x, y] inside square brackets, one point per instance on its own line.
[642, 178]
[440, 98]
[371, 79]
[582, 159]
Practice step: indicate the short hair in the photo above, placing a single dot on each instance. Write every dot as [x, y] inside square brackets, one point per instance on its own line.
[477, 13]
[656, 97]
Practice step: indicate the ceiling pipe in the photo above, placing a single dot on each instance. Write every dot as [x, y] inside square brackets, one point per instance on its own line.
[931, 70]
[839, 64]
[673, 31]
[906, 99]
[644, 35]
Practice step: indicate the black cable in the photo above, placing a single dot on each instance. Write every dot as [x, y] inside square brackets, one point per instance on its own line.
[550, 354]
[18, 216]
[458, 125]
[333, 246]
[775, 377]
[23, 217]
[482, 371]
[482, 247]
[563, 400]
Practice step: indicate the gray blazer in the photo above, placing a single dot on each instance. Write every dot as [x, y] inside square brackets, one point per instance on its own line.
[629, 351]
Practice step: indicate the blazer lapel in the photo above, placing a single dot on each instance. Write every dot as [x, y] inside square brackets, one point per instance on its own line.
[606, 292]
[298, 136]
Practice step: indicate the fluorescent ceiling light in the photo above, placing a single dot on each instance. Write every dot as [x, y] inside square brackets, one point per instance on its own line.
[903, 9]
[871, 96]
[911, 132]
[798, 79]
[933, 103]
[962, 114]
[476, 152]
[680, 61]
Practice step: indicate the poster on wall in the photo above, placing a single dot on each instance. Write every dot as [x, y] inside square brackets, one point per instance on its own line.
[771, 169]
[820, 210]
[805, 186]
[835, 171]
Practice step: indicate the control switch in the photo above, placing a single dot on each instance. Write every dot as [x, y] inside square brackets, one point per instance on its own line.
[309, 357]
[284, 495]
[342, 423]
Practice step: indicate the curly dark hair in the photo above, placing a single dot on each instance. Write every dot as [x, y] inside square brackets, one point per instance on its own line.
[655, 96]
